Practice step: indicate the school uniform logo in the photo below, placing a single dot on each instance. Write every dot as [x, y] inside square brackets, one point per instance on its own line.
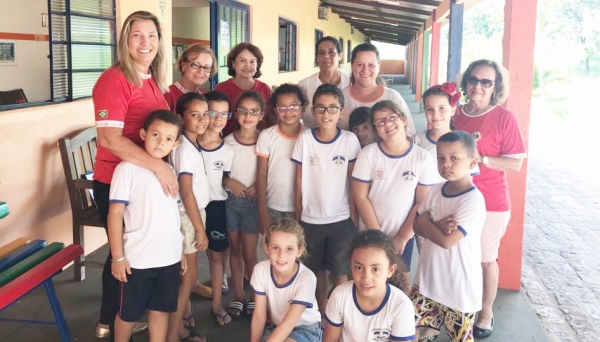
[380, 174]
[313, 160]
[380, 334]
[409, 175]
[339, 160]
[219, 165]
[477, 136]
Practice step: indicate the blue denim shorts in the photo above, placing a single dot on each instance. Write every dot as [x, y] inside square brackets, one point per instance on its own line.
[301, 333]
[242, 214]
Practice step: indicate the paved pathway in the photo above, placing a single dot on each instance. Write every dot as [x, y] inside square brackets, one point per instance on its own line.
[561, 272]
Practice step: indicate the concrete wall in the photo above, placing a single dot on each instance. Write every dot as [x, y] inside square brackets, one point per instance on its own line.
[32, 69]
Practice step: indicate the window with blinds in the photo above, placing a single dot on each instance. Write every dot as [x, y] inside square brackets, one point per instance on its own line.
[318, 36]
[232, 29]
[287, 45]
[83, 44]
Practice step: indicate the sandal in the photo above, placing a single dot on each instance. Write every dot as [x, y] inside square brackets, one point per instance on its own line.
[235, 309]
[222, 318]
[225, 284]
[193, 335]
[250, 308]
[483, 333]
[188, 322]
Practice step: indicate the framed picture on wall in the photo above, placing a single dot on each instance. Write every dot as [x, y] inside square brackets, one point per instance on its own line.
[8, 55]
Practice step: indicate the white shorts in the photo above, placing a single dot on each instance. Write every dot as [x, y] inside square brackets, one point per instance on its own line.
[493, 231]
[189, 233]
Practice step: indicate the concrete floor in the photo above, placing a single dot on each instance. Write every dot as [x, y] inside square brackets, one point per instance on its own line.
[515, 319]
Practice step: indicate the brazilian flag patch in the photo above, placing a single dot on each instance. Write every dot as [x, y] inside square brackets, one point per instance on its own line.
[103, 114]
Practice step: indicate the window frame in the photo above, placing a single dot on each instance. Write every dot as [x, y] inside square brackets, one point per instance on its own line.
[318, 36]
[291, 42]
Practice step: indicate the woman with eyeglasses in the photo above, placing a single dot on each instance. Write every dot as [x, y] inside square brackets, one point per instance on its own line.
[329, 53]
[196, 64]
[391, 179]
[500, 148]
[367, 88]
[243, 64]
[124, 96]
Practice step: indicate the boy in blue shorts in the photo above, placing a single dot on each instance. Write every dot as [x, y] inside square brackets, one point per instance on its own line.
[147, 251]
[448, 283]
[324, 158]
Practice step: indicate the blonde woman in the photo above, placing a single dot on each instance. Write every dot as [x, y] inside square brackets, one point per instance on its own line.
[123, 97]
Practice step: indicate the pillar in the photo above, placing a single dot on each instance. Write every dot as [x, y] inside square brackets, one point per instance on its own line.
[434, 68]
[455, 39]
[426, 59]
[418, 72]
[518, 45]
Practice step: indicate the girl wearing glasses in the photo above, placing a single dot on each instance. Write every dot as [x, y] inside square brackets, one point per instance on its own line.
[367, 87]
[241, 208]
[197, 64]
[391, 179]
[500, 148]
[243, 64]
[328, 56]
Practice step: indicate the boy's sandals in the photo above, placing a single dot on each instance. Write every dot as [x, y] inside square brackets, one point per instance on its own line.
[250, 308]
[194, 336]
[235, 309]
[222, 318]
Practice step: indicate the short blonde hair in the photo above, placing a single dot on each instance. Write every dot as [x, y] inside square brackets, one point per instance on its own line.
[501, 84]
[287, 225]
[158, 68]
[192, 52]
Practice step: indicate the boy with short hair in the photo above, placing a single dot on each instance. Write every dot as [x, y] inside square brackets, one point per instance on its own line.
[324, 206]
[448, 283]
[361, 124]
[147, 252]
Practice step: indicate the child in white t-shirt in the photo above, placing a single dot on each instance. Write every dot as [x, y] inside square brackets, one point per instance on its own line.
[324, 206]
[276, 172]
[144, 235]
[241, 207]
[447, 289]
[193, 188]
[285, 289]
[391, 179]
[369, 308]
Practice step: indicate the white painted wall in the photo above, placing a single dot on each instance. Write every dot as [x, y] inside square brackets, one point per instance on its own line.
[190, 22]
[32, 72]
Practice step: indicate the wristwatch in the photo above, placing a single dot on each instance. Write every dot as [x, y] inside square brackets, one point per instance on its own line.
[485, 160]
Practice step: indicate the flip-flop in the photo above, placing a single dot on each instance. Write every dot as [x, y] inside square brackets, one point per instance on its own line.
[188, 322]
[250, 308]
[222, 318]
[235, 309]
[483, 333]
[192, 335]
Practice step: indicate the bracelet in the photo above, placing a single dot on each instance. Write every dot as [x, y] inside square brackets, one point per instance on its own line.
[117, 260]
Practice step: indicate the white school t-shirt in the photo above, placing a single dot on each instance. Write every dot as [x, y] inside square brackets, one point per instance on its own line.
[299, 290]
[423, 140]
[186, 159]
[350, 103]
[452, 277]
[243, 166]
[151, 236]
[310, 85]
[393, 320]
[325, 175]
[281, 171]
[217, 161]
[393, 181]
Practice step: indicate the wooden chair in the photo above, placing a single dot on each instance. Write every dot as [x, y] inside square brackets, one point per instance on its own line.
[11, 97]
[78, 155]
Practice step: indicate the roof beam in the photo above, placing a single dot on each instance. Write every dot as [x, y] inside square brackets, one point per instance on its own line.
[375, 17]
[430, 3]
[375, 25]
[375, 5]
[351, 11]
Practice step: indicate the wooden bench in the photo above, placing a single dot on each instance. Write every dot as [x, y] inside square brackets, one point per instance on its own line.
[27, 265]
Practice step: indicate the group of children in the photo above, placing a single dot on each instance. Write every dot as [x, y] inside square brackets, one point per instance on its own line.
[307, 192]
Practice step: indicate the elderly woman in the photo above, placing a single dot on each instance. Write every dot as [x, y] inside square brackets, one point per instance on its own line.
[123, 97]
[197, 63]
[500, 148]
[366, 87]
[328, 54]
[243, 64]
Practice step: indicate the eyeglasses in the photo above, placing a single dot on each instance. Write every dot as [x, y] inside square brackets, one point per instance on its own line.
[198, 66]
[245, 111]
[330, 110]
[484, 82]
[222, 115]
[390, 118]
[287, 109]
